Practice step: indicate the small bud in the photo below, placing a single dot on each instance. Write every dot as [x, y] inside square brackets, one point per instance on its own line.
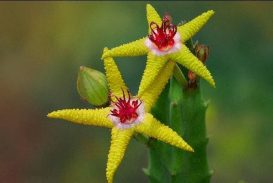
[202, 52]
[192, 83]
[92, 86]
[191, 76]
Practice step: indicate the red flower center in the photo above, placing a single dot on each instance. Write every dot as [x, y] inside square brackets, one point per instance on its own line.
[163, 36]
[125, 109]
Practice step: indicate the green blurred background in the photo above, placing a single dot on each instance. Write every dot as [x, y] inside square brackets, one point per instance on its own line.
[43, 44]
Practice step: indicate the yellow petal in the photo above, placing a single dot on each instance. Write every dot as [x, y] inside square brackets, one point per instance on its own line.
[191, 28]
[113, 75]
[191, 62]
[153, 67]
[152, 16]
[119, 141]
[135, 48]
[153, 128]
[151, 94]
[96, 117]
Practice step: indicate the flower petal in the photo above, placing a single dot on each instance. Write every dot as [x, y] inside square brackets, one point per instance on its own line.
[191, 62]
[135, 48]
[150, 95]
[191, 28]
[113, 75]
[119, 141]
[153, 67]
[96, 117]
[153, 128]
[152, 16]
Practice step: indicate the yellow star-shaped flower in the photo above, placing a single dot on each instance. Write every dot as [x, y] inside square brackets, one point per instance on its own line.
[165, 43]
[126, 115]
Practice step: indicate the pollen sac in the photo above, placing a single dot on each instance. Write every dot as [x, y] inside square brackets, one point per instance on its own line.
[92, 86]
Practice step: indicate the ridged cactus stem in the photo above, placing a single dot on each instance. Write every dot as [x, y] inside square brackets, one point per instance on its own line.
[183, 109]
[184, 112]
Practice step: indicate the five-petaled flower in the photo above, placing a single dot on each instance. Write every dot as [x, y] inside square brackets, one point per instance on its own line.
[165, 42]
[126, 115]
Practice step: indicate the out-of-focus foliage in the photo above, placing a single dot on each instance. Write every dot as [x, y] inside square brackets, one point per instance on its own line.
[44, 44]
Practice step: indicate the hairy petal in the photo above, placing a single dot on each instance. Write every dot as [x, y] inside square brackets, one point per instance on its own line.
[152, 16]
[191, 62]
[153, 128]
[150, 95]
[96, 117]
[113, 75]
[119, 141]
[135, 48]
[189, 29]
[153, 67]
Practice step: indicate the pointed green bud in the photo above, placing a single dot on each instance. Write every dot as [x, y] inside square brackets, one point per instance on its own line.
[92, 86]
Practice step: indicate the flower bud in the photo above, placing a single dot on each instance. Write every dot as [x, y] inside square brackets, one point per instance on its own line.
[192, 83]
[92, 86]
[191, 76]
[202, 52]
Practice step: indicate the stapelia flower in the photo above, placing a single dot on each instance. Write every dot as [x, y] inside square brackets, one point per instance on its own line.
[165, 42]
[126, 115]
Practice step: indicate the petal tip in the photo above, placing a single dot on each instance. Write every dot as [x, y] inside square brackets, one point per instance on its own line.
[212, 12]
[212, 83]
[105, 53]
[151, 12]
[214, 86]
[190, 149]
[185, 146]
[52, 114]
[105, 49]
[149, 6]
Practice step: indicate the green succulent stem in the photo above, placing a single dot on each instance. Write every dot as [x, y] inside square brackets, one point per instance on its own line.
[182, 107]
